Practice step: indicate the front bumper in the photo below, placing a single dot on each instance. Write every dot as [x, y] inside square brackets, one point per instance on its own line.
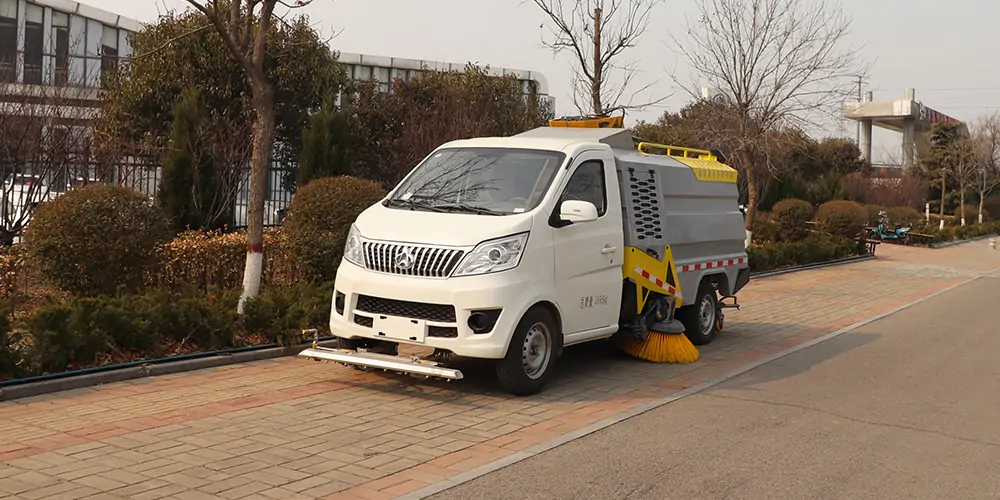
[431, 312]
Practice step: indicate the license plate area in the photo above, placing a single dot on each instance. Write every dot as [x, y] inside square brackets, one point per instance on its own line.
[396, 328]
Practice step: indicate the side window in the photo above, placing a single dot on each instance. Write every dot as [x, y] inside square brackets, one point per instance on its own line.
[587, 184]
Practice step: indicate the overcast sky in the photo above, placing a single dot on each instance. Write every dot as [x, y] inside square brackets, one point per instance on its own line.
[945, 50]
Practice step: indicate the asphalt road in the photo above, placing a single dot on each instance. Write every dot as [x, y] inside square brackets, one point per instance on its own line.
[905, 407]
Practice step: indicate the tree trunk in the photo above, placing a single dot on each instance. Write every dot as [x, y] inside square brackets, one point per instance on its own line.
[751, 211]
[981, 208]
[263, 142]
[595, 84]
[943, 191]
[961, 197]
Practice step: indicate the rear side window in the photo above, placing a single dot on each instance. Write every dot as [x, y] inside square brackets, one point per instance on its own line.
[587, 184]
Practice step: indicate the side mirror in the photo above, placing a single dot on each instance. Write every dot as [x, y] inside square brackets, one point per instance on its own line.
[576, 211]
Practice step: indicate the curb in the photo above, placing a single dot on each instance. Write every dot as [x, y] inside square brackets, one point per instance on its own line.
[557, 441]
[41, 387]
[952, 243]
[807, 267]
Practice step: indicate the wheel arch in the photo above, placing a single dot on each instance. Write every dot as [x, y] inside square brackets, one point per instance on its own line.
[551, 308]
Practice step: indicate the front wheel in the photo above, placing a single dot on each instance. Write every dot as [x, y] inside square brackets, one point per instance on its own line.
[700, 318]
[531, 355]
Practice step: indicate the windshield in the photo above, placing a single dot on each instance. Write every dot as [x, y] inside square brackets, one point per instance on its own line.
[490, 181]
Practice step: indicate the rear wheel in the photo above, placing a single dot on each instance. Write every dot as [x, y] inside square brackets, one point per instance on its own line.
[701, 316]
[531, 355]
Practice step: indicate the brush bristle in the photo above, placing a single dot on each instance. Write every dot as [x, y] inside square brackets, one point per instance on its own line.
[661, 348]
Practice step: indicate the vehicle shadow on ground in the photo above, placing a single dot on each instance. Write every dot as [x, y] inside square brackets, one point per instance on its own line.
[799, 362]
[599, 371]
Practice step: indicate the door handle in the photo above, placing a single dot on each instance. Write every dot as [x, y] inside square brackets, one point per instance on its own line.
[606, 250]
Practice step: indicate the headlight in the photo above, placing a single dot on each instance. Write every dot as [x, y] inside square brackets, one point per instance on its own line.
[493, 256]
[352, 248]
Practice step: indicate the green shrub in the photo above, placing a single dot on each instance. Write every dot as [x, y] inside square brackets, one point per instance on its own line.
[319, 219]
[96, 238]
[905, 216]
[791, 217]
[10, 353]
[814, 248]
[280, 314]
[842, 218]
[81, 331]
[873, 214]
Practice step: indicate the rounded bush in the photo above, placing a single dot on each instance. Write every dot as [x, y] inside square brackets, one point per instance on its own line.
[764, 229]
[96, 238]
[873, 211]
[319, 219]
[905, 216]
[791, 216]
[842, 218]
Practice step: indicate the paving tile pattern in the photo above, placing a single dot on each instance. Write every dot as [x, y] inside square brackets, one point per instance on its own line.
[292, 428]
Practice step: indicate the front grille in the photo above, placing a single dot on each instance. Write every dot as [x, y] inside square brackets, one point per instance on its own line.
[447, 332]
[406, 309]
[364, 321]
[411, 260]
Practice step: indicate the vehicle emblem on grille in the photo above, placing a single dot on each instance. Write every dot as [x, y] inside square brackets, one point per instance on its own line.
[404, 259]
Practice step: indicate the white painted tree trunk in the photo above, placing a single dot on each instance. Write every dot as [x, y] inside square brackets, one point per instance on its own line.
[252, 273]
[749, 239]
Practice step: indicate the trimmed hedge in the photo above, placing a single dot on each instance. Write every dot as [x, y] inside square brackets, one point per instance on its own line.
[96, 238]
[842, 218]
[791, 216]
[91, 331]
[11, 265]
[813, 249]
[215, 260]
[956, 233]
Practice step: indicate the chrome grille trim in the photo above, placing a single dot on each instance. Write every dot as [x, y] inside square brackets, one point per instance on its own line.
[428, 261]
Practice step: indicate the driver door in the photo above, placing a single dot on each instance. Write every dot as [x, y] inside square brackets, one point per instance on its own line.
[588, 255]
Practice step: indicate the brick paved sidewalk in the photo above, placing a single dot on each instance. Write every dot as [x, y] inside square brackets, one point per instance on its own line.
[293, 428]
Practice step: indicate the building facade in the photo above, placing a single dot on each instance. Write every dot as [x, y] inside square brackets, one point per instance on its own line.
[53, 55]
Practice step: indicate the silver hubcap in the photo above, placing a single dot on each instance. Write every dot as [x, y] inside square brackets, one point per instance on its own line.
[535, 352]
[707, 315]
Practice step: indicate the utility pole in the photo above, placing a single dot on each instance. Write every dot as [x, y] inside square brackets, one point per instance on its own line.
[857, 137]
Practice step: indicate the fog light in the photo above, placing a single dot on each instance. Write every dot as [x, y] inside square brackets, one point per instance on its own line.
[483, 321]
[338, 302]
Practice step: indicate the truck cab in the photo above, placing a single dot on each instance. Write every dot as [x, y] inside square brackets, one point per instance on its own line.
[505, 249]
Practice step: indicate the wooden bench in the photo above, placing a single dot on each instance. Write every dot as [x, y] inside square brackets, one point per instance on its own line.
[871, 245]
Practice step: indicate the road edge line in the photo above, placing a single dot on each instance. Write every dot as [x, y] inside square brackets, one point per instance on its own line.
[665, 400]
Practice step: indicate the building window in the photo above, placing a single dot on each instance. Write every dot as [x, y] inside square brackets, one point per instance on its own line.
[8, 41]
[33, 41]
[109, 51]
[60, 48]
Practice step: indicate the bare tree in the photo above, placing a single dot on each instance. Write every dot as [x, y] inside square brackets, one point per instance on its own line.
[985, 175]
[783, 65]
[597, 33]
[244, 26]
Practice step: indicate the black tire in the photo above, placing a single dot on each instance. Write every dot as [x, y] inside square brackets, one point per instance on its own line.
[521, 372]
[700, 316]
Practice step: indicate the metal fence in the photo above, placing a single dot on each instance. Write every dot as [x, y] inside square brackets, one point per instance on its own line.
[139, 173]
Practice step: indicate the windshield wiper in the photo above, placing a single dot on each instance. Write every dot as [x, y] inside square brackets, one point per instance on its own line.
[412, 205]
[469, 208]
